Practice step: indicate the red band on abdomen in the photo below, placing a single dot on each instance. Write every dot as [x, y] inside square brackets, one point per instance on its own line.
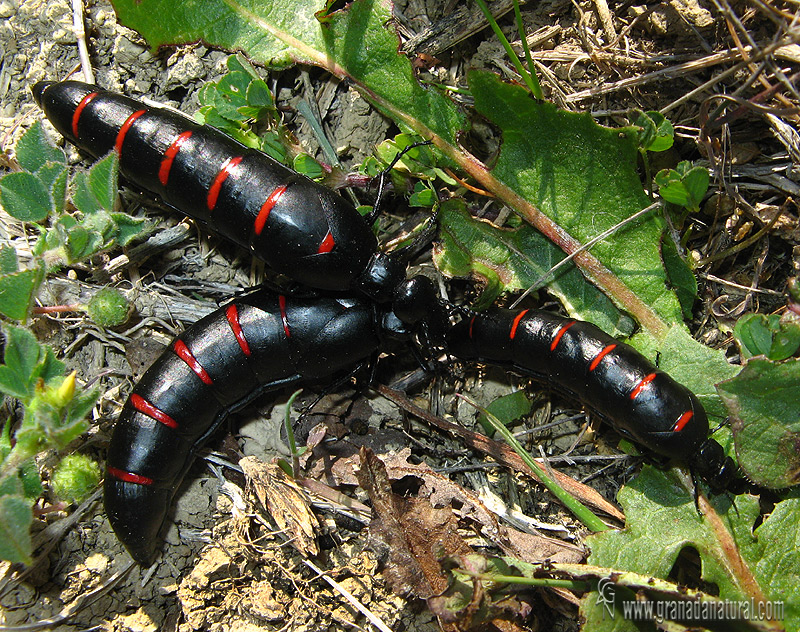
[146, 408]
[562, 330]
[284, 319]
[79, 110]
[266, 208]
[601, 355]
[224, 171]
[182, 351]
[169, 157]
[682, 421]
[638, 388]
[515, 324]
[124, 130]
[327, 244]
[129, 477]
[232, 314]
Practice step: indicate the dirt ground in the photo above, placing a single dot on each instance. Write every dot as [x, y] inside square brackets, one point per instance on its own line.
[224, 567]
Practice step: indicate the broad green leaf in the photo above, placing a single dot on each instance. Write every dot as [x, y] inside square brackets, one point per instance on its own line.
[507, 409]
[17, 291]
[102, 180]
[8, 260]
[34, 150]
[25, 197]
[662, 521]
[16, 517]
[11, 486]
[508, 260]
[775, 337]
[775, 557]
[128, 228]
[679, 276]
[258, 95]
[305, 164]
[354, 44]
[583, 177]
[31, 481]
[21, 355]
[54, 177]
[83, 198]
[765, 418]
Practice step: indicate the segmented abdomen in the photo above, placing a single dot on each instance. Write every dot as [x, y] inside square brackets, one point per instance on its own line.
[258, 343]
[581, 361]
[299, 227]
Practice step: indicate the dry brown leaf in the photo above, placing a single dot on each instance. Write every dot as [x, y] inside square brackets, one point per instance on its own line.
[413, 534]
[285, 501]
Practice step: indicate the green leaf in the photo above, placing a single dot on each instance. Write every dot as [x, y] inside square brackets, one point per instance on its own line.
[8, 260]
[26, 362]
[231, 95]
[507, 409]
[79, 243]
[422, 196]
[11, 486]
[775, 337]
[275, 36]
[239, 62]
[582, 176]
[685, 185]
[506, 260]
[96, 190]
[765, 419]
[259, 96]
[75, 477]
[49, 367]
[656, 132]
[679, 275]
[31, 481]
[16, 517]
[22, 353]
[82, 197]
[271, 145]
[128, 228]
[54, 177]
[102, 181]
[34, 150]
[25, 197]
[17, 291]
[305, 164]
[662, 521]
[80, 406]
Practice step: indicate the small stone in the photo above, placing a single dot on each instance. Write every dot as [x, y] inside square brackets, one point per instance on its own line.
[7, 9]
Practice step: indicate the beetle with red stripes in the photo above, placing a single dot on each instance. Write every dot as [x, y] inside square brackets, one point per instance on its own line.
[580, 361]
[259, 343]
[297, 226]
